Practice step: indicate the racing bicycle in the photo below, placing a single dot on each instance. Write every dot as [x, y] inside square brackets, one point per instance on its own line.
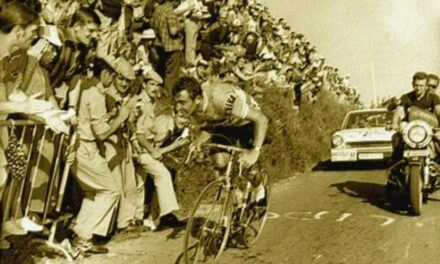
[226, 213]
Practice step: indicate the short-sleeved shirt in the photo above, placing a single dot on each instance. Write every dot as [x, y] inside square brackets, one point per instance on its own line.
[165, 128]
[226, 105]
[427, 102]
[92, 113]
[145, 123]
[39, 82]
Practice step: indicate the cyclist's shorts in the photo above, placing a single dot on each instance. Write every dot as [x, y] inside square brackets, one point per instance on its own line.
[229, 135]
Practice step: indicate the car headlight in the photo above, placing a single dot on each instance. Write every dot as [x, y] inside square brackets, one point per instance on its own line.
[417, 134]
[337, 140]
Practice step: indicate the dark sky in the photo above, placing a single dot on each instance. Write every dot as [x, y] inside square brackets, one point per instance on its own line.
[392, 38]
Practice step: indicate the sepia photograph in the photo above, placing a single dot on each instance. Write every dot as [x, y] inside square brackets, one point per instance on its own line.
[219, 131]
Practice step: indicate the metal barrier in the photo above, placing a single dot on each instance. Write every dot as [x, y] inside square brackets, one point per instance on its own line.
[32, 136]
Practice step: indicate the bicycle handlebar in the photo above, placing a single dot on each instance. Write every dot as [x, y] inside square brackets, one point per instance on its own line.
[225, 147]
[228, 148]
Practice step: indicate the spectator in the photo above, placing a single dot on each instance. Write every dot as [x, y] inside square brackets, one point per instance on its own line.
[116, 147]
[170, 29]
[192, 27]
[150, 155]
[18, 25]
[295, 78]
[201, 72]
[252, 45]
[76, 46]
[91, 170]
[214, 38]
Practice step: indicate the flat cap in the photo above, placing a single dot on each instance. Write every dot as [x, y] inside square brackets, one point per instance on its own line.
[153, 75]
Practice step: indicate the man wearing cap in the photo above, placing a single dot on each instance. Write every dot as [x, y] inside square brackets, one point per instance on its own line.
[200, 72]
[117, 149]
[91, 170]
[150, 154]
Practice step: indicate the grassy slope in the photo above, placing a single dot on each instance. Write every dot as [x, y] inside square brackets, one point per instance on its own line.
[299, 140]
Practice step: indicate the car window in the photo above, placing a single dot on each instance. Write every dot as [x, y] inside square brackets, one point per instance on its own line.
[368, 119]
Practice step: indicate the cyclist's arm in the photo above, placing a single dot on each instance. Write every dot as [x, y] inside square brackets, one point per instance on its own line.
[260, 126]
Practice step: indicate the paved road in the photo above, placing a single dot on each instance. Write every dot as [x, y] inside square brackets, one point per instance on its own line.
[334, 216]
[341, 217]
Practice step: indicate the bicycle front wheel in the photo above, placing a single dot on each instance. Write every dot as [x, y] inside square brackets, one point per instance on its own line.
[208, 226]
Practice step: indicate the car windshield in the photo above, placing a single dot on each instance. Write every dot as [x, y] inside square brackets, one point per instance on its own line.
[368, 119]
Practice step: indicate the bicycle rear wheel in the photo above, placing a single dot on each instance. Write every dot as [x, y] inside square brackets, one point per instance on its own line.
[255, 216]
[208, 225]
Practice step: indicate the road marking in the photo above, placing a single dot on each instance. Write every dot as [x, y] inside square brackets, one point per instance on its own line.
[305, 216]
[407, 250]
[343, 217]
[272, 215]
[388, 221]
[293, 215]
[317, 216]
[318, 256]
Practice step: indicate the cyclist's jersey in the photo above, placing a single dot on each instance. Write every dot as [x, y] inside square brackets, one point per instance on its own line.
[226, 105]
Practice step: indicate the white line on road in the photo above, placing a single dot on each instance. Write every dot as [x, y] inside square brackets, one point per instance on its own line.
[299, 215]
[272, 215]
[318, 215]
[408, 246]
[388, 221]
[343, 217]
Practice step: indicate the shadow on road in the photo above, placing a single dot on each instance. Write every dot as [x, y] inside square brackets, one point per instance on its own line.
[327, 165]
[372, 193]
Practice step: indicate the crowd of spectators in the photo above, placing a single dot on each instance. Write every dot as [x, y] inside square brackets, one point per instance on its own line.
[104, 62]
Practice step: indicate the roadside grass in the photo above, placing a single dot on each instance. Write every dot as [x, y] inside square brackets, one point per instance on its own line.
[301, 138]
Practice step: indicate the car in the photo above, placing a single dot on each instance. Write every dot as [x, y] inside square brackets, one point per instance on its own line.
[364, 135]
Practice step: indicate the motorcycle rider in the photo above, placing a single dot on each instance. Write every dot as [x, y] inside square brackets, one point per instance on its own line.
[417, 104]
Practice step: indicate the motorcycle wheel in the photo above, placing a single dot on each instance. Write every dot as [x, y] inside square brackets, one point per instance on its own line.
[415, 187]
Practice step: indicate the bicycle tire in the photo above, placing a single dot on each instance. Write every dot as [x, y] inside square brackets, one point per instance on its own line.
[256, 214]
[206, 237]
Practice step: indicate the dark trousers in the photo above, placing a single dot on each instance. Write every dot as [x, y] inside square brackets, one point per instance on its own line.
[297, 90]
[173, 62]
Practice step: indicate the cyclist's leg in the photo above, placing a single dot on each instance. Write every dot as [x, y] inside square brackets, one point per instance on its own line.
[244, 136]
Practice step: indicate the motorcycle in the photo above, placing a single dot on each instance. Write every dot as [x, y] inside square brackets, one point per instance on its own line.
[416, 174]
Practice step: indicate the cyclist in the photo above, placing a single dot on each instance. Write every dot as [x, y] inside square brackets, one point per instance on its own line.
[224, 109]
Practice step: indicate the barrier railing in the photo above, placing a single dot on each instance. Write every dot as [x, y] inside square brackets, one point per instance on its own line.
[45, 154]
